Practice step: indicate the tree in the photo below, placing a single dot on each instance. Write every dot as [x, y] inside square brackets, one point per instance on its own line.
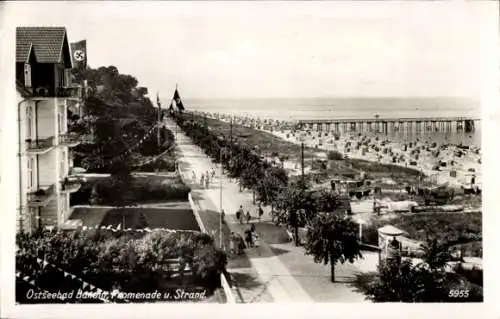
[331, 239]
[423, 281]
[436, 254]
[269, 187]
[290, 203]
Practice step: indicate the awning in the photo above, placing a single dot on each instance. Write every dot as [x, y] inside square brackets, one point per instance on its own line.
[390, 230]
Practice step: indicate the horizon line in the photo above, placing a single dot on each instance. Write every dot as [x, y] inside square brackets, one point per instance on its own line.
[331, 97]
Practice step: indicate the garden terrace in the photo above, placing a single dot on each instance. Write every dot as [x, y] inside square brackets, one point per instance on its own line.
[127, 261]
[135, 190]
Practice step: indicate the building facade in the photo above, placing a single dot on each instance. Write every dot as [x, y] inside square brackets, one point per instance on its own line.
[44, 93]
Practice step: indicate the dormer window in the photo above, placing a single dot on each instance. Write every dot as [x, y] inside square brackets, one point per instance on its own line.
[27, 75]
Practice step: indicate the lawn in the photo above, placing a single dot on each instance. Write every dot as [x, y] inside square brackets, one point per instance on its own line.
[90, 216]
[142, 189]
[172, 218]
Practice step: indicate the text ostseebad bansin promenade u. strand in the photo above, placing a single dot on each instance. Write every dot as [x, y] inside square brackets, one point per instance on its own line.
[177, 294]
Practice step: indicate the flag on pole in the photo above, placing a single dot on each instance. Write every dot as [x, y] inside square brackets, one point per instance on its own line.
[79, 54]
[178, 101]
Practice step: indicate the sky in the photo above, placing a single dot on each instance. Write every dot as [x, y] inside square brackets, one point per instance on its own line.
[281, 49]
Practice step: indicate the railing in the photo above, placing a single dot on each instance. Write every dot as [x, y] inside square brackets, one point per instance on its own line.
[70, 185]
[69, 139]
[88, 139]
[41, 197]
[63, 92]
[69, 92]
[381, 120]
[39, 144]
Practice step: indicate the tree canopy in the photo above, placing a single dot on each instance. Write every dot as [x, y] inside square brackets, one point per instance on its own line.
[118, 114]
[332, 239]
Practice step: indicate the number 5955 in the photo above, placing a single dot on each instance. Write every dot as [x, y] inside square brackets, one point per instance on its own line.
[458, 293]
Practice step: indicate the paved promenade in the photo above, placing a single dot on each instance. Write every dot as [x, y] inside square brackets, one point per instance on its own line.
[284, 273]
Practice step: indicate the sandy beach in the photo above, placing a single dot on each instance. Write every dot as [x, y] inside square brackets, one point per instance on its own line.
[442, 163]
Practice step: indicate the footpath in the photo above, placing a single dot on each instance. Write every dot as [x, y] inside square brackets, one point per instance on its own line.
[277, 270]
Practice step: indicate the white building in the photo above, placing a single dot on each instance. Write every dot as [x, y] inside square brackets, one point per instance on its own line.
[44, 91]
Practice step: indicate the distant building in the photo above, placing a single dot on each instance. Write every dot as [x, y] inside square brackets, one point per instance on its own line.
[44, 92]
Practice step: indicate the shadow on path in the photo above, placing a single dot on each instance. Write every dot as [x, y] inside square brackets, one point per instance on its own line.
[363, 281]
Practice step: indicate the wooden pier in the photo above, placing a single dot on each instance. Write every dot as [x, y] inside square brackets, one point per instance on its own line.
[388, 125]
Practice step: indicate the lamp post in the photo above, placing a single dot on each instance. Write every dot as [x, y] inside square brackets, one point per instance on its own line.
[220, 201]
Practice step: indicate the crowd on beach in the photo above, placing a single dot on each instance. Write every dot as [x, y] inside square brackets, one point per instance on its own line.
[443, 162]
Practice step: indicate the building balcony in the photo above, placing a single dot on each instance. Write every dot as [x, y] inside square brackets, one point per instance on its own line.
[88, 139]
[69, 139]
[42, 196]
[69, 92]
[39, 145]
[71, 184]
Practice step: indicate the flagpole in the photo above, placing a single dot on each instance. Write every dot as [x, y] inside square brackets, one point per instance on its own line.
[159, 111]
[220, 203]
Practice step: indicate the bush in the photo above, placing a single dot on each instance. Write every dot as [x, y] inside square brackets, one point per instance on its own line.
[128, 261]
[370, 235]
[473, 275]
[407, 282]
[166, 165]
[335, 156]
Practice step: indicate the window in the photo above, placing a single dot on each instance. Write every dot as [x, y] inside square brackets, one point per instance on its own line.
[27, 75]
[62, 167]
[30, 172]
[68, 77]
[29, 122]
[59, 123]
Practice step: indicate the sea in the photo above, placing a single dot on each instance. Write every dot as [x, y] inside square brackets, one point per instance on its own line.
[352, 108]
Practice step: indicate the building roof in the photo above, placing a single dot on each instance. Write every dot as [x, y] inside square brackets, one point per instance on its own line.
[391, 230]
[49, 44]
[21, 89]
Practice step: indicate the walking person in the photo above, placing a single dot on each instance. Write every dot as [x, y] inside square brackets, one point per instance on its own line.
[241, 244]
[249, 237]
[202, 179]
[232, 244]
[248, 217]
[256, 239]
[207, 181]
[260, 212]
[239, 214]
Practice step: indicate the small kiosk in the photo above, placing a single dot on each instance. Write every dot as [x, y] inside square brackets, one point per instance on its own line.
[389, 242]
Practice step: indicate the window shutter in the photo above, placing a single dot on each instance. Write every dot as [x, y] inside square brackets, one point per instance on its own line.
[27, 75]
